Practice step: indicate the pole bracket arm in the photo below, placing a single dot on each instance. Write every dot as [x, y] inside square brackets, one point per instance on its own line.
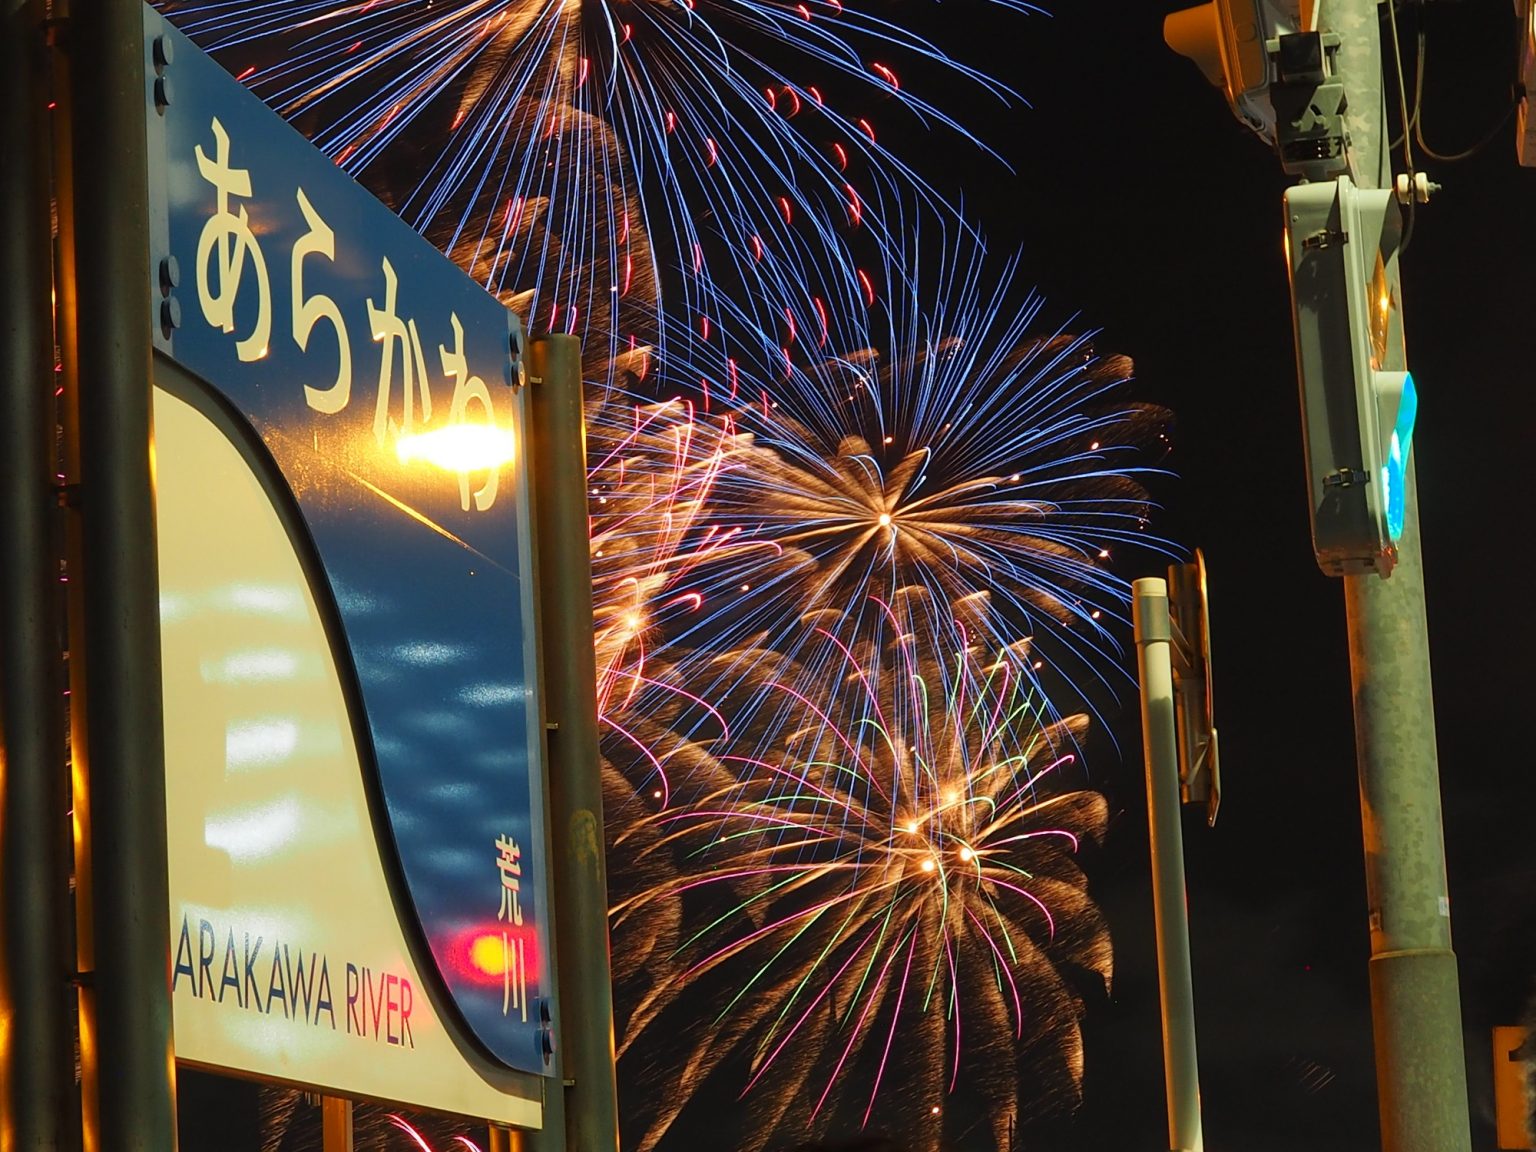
[1310, 100]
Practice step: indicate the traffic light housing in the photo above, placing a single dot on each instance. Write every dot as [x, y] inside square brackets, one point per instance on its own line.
[1358, 401]
[1226, 38]
[1279, 77]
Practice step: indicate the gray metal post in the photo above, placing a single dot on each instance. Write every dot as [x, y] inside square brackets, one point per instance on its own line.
[127, 1061]
[1358, 23]
[1154, 632]
[36, 1053]
[585, 1027]
[1421, 1075]
[1416, 1010]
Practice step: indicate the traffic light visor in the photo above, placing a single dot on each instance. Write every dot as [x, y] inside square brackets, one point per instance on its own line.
[1195, 32]
[1226, 39]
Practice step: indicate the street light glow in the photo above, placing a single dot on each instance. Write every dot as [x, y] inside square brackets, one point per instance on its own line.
[459, 448]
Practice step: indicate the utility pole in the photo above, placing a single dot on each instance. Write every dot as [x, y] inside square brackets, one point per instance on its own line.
[36, 1021]
[1421, 1075]
[1325, 114]
[128, 1072]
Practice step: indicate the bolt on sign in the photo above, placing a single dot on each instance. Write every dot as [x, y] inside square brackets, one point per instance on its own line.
[357, 860]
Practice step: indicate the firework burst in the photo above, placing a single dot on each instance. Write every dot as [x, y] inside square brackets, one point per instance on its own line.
[549, 143]
[959, 450]
[893, 912]
[892, 832]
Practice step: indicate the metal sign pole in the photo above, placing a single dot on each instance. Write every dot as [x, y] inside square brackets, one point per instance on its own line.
[335, 1124]
[575, 784]
[36, 1061]
[127, 1061]
[1154, 636]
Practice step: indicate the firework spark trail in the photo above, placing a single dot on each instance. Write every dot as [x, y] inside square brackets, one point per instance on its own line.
[544, 258]
[291, 1121]
[958, 451]
[895, 885]
[617, 126]
[651, 470]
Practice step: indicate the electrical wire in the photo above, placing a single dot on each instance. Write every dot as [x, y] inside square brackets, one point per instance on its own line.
[1418, 127]
[1407, 119]
[1413, 121]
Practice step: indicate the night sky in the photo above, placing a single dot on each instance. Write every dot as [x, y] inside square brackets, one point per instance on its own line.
[1146, 211]
[1143, 205]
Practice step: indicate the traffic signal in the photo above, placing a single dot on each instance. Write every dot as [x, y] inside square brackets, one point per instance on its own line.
[1358, 401]
[1280, 78]
[1227, 39]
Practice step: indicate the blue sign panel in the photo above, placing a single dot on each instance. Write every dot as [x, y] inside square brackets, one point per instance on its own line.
[385, 385]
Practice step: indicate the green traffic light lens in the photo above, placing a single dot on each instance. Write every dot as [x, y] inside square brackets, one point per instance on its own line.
[1394, 473]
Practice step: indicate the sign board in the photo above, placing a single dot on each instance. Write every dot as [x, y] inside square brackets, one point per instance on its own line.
[353, 733]
[1514, 1105]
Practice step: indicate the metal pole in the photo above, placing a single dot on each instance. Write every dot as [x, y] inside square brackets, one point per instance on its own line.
[335, 1124]
[575, 783]
[1421, 1078]
[127, 1060]
[1181, 1073]
[1421, 1073]
[36, 1053]
[1358, 23]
